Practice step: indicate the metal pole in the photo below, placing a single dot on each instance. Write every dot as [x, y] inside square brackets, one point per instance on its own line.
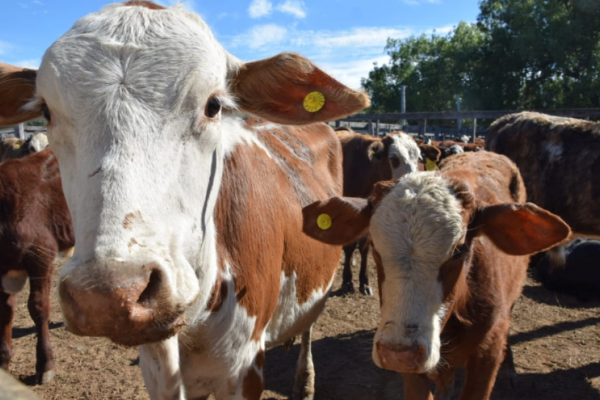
[20, 131]
[403, 104]
[474, 129]
[458, 109]
[377, 128]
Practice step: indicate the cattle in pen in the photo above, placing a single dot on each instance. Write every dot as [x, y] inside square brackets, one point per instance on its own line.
[451, 254]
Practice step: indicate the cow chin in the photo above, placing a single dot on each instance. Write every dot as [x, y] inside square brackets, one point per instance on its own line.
[415, 356]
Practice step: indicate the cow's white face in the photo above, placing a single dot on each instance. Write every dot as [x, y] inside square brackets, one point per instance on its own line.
[404, 155]
[134, 97]
[414, 231]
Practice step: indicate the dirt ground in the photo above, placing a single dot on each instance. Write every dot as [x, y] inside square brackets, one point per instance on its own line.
[555, 340]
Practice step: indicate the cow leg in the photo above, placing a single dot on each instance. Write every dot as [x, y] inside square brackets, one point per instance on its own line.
[363, 246]
[7, 311]
[160, 369]
[40, 281]
[347, 284]
[481, 371]
[304, 383]
[416, 387]
[444, 383]
[508, 372]
[248, 385]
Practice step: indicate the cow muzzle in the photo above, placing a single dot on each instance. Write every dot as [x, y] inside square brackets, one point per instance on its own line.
[129, 304]
[401, 358]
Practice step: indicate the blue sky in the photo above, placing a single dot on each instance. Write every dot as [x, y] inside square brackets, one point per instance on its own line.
[344, 37]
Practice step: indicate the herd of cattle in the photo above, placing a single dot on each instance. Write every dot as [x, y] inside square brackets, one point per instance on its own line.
[205, 237]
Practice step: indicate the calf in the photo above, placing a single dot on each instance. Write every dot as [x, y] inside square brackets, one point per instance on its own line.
[580, 275]
[559, 159]
[34, 225]
[368, 160]
[17, 148]
[450, 250]
[188, 217]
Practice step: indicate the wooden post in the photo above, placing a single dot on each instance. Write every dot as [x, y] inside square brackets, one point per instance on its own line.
[338, 123]
[20, 131]
[474, 129]
[377, 128]
[370, 129]
[458, 109]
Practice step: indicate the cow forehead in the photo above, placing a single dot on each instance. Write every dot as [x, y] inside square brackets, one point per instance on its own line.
[418, 223]
[404, 146]
[156, 57]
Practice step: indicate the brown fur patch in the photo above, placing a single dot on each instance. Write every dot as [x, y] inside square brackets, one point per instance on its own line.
[147, 4]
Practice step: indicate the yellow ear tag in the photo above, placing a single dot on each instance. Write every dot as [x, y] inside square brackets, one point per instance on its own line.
[16, 146]
[430, 165]
[314, 101]
[324, 221]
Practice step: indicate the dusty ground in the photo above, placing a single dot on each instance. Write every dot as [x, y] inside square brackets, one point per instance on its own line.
[555, 339]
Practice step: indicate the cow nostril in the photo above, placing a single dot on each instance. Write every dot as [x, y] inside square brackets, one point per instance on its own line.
[151, 291]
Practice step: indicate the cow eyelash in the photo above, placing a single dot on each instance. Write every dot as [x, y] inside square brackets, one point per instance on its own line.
[45, 111]
[459, 251]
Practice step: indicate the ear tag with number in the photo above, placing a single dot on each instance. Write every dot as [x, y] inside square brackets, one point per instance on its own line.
[430, 165]
[314, 101]
[324, 221]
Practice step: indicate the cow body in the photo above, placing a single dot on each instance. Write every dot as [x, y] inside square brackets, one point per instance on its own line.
[450, 250]
[559, 159]
[187, 217]
[579, 276]
[34, 225]
[368, 160]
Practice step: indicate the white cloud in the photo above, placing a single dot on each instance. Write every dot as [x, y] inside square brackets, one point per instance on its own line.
[356, 38]
[351, 72]
[38, 2]
[260, 36]
[260, 8]
[293, 7]
[442, 30]
[30, 63]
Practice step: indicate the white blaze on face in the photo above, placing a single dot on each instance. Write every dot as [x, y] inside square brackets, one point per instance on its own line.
[414, 230]
[403, 155]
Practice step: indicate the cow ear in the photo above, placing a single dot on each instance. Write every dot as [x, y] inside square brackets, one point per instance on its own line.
[338, 220]
[375, 150]
[520, 229]
[17, 88]
[430, 152]
[290, 89]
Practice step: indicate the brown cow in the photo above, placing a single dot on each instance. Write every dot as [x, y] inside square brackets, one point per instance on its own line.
[34, 225]
[559, 159]
[368, 160]
[450, 250]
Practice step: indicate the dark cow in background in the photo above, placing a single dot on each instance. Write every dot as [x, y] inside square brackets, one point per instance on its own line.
[451, 253]
[580, 275]
[35, 224]
[18, 148]
[559, 159]
[368, 160]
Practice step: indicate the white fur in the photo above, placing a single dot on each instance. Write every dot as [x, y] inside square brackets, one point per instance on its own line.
[39, 142]
[414, 230]
[407, 151]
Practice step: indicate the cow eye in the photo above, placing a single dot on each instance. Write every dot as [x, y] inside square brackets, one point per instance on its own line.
[46, 112]
[460, 251]
[212, 107]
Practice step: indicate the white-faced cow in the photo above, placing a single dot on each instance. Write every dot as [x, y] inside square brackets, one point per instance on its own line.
[368, 160]
[449, 249]
[188, 218]
[559, 159]
[17, 148]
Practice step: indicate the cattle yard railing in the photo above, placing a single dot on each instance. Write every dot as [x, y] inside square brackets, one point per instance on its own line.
[20, 131]
[377, 124]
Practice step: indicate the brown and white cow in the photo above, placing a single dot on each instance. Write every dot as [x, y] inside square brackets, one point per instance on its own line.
[187, 217]
[17, 148]
[34, 225]
[368, 160]
[559, 159]
[450, 250]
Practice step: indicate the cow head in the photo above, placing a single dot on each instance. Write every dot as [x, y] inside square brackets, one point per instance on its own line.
[422, 228]
[138, 99]
[401, 152]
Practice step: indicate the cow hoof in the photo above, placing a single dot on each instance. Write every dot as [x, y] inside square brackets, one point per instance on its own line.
[44, 378]
[367, 291]
[347, 287]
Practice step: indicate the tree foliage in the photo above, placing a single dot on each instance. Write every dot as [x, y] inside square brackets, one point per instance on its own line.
[520, 54]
